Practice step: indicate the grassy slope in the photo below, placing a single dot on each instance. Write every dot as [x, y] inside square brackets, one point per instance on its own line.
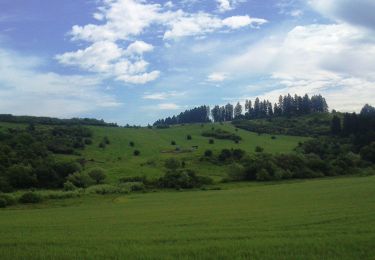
[315, 219]
[118, 159]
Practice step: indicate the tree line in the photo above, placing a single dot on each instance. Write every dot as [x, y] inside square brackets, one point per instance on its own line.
[287, 105]
[53, 121]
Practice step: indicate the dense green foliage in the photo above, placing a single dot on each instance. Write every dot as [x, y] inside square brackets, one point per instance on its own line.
[27, 156]
[195, 115]
[308, 125]
[221, 134]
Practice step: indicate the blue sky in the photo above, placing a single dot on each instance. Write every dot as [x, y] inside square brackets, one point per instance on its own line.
[134, 61]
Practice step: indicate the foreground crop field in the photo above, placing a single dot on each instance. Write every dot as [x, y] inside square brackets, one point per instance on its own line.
[315, 219]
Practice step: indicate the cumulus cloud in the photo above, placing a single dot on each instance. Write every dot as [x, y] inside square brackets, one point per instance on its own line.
[26, 90]
[122, 21]
[332, 59]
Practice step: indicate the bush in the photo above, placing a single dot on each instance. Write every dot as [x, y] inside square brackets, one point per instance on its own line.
[136, 153]
[211, 141]
[238, 154]
[236, 172]
[88, 141]
[184, 179]
[208, 153]
[80, 179]
[69, 186]
[259, 149]
[6, 200]
[30, 198]
[22, 177]
[102, 145]
[131, 144]
[224, 155]
[106, 140]
[98, 175]
[273, 137]
[173, 143]
[3, 203]
[172, 164]
[368, 152]
[188, 137]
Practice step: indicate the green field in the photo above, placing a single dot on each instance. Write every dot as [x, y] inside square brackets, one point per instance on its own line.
[315, 219]
[155, 146]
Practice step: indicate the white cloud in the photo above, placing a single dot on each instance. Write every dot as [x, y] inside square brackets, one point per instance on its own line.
[168, 106]
[227, 5]
[26, 90]
[108, 59]
[217, 77]
[139, 47]
[122, 21]
[334, 59]
[236, 22]
[163, 95]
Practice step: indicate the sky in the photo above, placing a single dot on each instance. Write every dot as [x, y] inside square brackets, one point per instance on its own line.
[135, 61]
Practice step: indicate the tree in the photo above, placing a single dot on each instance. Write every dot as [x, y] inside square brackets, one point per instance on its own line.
[368, 110]
[336, 125]
[228, 112]
[237, 110]
[98, 175]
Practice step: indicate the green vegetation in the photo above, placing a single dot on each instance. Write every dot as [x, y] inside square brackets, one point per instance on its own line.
[315, 219]
[308, 125]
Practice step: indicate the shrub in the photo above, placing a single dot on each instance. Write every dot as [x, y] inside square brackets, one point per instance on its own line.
[173, 143]
[238, 154]
[104, 189]
[98, 175]
[69, 186]
[208, 153]
[106, 140]
[263, 175]
[368, 152]
[80, 179]
[172, 164]
[273, 137]
[224, 155]
[259, 149]
[188, 137]
[21, 176]
[6, 200]
[131, 144]
[185, 179]
[211, 141]
[236, 172]
[137, 186]
[102, 145]
[88, 141]
[3, 203]
[136, 153]
[30, 197]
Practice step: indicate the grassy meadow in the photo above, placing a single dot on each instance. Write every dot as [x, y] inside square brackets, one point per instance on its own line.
[315, 219]
[155, 146]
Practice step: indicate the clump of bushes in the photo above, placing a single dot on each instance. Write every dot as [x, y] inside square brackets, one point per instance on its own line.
[6, 200]
[136, 153]
[208, 153]
[222, 134]
[30, 198]
[98, 175]
[188, 137]
[234, 154]
[259, 149]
